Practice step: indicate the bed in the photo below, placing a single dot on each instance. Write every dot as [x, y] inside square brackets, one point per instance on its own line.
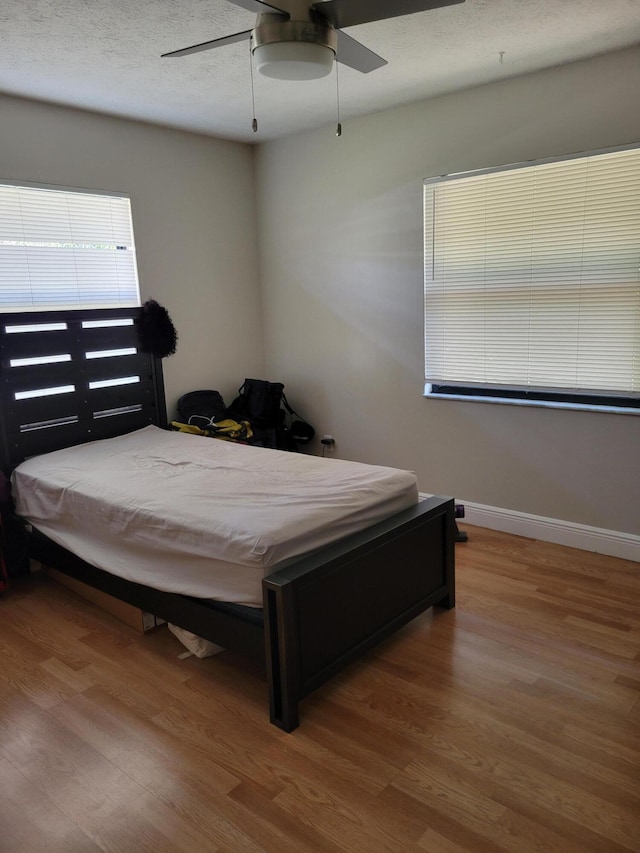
[312, 602]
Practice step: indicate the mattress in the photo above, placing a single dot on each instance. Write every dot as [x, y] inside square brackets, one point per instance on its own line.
[200, 516]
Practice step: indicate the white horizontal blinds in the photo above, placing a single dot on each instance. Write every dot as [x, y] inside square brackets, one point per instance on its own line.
[65, 249]
[532, 276]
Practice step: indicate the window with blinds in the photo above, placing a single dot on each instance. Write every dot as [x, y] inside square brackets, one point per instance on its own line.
[65, 248]
[532, 281]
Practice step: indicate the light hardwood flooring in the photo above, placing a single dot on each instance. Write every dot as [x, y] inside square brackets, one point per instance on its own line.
[508, 724]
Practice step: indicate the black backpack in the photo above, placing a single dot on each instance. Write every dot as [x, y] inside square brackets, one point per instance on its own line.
[260, 403]
[201, 408]
[264, 405]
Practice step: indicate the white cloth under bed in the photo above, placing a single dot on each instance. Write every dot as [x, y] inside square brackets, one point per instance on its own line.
[200, 516]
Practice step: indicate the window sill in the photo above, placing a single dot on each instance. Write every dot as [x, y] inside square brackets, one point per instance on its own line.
[538, 404]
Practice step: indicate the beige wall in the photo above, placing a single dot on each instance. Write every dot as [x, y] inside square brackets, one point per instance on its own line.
[194, 217]
[340, 230]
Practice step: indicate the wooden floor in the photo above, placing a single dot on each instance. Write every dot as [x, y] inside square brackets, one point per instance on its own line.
[510, 723]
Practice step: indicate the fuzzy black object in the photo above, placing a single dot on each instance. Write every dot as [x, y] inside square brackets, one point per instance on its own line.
[157, 333]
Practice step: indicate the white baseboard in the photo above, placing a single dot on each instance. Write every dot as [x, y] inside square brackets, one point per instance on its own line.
[611, 542]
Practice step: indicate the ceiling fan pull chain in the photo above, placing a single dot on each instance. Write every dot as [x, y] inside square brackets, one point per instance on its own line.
[254, 123]
[339, 125]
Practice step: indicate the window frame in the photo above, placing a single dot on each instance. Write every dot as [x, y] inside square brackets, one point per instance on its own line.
[89, 245]
[610, 400]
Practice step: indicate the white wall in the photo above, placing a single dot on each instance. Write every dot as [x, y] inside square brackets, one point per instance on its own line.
[340, 230]
[194, 219]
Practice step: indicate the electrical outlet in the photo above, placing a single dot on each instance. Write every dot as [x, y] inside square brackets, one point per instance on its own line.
[327, 442]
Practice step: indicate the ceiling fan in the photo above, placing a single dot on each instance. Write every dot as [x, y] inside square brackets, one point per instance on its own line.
[302, 41]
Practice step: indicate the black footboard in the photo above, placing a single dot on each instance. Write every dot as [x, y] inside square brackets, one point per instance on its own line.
[324, 611]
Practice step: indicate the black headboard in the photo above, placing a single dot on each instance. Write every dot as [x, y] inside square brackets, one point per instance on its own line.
[68, 377]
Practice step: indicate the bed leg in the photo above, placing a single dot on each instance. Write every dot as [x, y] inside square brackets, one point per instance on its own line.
[451, 537]
[288, 719]
[448, 602]
[281, 659]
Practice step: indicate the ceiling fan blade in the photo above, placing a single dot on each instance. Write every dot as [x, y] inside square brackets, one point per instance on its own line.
[356, 55]
[349, 13]
[258, 8]
[208, 45]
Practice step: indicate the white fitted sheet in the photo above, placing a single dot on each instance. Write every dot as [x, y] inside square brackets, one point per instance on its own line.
[200, 516]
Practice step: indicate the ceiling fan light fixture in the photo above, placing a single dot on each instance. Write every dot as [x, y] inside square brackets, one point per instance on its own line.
[294, 60]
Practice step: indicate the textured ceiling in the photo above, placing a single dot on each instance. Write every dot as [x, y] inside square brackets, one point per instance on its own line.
[104, 55]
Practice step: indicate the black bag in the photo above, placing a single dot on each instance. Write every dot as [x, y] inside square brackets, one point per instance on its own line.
[264, 405]
[300, 431]
[259, 402]
[201, 408]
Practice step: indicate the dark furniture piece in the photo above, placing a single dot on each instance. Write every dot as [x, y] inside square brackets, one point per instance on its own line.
[321, 611]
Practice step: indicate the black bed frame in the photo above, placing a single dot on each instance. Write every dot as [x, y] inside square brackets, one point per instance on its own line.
[321, 611]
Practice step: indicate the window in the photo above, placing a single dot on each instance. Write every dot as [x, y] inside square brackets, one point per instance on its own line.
[63, 248]
[532, 282]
